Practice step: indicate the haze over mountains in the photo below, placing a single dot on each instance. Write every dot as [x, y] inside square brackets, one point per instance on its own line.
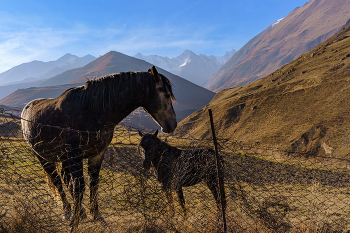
[189, 96]
[283, 41]
[302, 29]
[38, 70]
[34, 73]
[195, 68]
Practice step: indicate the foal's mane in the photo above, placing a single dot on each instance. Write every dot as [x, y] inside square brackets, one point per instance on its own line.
[159, 145]
[112, 90]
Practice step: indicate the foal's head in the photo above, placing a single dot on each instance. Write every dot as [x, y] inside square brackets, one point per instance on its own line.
[148, 148]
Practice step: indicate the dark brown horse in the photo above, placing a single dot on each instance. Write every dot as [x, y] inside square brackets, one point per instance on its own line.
[176, 168]
[79, 125]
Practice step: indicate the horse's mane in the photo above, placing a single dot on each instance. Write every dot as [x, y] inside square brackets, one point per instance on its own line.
[168, 85]
[102, 93]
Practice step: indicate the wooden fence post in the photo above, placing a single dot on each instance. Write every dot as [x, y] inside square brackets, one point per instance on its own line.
[219, 172]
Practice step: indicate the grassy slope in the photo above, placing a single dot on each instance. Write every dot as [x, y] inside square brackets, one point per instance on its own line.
[303, 105]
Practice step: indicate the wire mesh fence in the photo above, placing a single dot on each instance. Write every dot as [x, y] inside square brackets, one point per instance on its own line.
[268, 189]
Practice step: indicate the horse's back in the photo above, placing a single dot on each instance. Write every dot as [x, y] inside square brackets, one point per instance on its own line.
[30, 113]
[49, 124]
[32, 107]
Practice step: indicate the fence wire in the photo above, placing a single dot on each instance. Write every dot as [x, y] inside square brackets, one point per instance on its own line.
[268, 189]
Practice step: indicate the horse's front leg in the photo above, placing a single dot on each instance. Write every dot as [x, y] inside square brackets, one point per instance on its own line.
[75, 165]
[94, 167]
[51, 170]
[66, 176]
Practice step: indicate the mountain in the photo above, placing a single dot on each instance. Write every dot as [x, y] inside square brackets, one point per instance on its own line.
[302, 106]
[9, 88]
[195, 68]
[112, 62]
[189, 96]
[72, 64]
[8, 108]
[283, 41]
[37, 70]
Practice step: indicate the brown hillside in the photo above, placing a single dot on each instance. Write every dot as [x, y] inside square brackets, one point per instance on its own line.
[106, 65]
[305, 105]
[298, 32]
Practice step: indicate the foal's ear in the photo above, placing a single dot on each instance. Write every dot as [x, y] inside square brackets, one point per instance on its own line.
[140, 133]
[156, 133]
[155, 74]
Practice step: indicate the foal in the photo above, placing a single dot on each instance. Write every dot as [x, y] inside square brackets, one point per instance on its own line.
[176, 168]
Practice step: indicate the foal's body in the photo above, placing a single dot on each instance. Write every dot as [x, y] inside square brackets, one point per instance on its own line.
[176, 168]
[79, 125]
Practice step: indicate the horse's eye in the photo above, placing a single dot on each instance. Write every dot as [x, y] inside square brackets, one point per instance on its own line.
[167, 95]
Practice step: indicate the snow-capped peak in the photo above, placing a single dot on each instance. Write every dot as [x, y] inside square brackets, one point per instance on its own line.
[193, 67]
[275, 23]
[71, 59]
[185, 63]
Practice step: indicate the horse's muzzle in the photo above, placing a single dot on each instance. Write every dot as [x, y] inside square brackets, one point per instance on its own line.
[169, 126]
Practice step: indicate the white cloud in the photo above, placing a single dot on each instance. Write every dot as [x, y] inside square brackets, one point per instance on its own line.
[148, 40]
[34, 43]
[23, 42]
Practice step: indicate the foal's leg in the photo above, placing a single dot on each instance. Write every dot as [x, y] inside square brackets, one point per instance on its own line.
[75, 166]
[182, 200]
[169, 196]
[94, 167]
[213, 185]
[50, 169]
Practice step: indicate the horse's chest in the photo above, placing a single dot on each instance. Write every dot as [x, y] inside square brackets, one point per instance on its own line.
[95, 144]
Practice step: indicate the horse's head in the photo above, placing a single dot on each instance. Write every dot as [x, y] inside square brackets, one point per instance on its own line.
[160, 106]
[147, 147]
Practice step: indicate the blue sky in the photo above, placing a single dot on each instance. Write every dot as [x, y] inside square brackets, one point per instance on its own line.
[46, 30]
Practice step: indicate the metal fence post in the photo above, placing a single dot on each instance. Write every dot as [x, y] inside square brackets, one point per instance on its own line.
[219, 172]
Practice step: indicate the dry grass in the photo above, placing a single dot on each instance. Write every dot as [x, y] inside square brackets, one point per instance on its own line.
[264, 194]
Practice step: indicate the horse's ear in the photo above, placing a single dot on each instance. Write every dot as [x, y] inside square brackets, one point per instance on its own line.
[155, 74]
[156, 133]
[140, 133]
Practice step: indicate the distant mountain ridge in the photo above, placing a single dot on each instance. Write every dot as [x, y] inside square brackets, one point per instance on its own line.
[189, 96]
[283, 41]
[195, 68]
[38, 70]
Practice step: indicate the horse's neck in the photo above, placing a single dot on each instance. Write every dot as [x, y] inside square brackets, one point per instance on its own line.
[117, 116]
[121, 110]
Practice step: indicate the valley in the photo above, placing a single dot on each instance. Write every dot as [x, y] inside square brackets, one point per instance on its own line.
[281, 108]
